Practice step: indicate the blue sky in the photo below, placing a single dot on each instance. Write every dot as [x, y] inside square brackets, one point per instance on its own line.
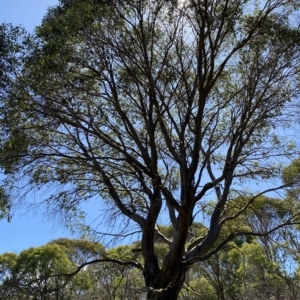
[27, 13]
[26, 230]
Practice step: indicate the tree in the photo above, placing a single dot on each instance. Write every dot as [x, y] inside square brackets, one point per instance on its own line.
[263, 267]
[31, 275]
[43, 273]
[8, 45]
[242, 270]
[155, 108]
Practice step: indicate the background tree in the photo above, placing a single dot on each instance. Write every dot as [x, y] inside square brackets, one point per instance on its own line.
[262, 267]
[154, 108]
[30, 275]
[244, 269]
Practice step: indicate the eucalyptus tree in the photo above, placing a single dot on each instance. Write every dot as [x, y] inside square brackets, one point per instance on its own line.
[153, 108]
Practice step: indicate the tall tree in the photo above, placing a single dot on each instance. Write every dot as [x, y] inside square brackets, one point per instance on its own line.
[154, 108]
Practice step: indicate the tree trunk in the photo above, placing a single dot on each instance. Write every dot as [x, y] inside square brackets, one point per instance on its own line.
[168, 294]
[167, 287]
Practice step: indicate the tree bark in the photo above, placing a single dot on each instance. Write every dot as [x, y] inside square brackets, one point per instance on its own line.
[168, 287]
[170, 293]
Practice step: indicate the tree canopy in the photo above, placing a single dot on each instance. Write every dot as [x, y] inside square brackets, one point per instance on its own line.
[164, 112]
